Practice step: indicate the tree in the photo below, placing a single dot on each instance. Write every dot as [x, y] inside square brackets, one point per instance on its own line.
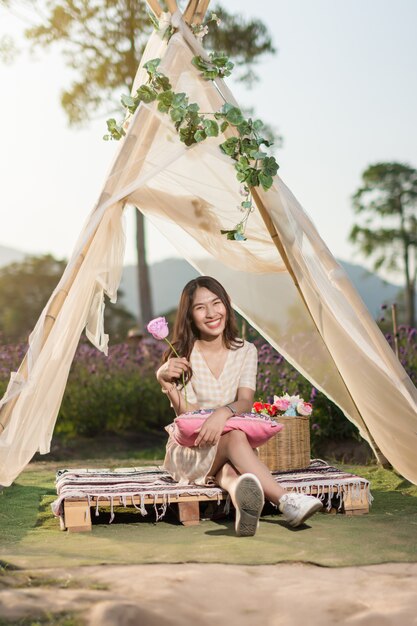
[102, 41]
[25, 288]
[389, 195]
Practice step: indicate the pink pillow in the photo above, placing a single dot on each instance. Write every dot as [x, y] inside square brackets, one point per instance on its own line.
[258, 428]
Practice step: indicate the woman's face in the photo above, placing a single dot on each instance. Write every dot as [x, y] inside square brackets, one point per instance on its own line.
[209, 313]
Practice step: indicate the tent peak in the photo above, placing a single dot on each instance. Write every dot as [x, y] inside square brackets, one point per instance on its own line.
[193, 14]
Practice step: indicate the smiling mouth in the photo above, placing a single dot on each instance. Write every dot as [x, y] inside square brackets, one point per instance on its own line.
[214, 323]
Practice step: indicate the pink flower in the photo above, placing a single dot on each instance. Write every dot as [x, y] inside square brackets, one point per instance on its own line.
[282, 404]
[158, 328]
[304, 408]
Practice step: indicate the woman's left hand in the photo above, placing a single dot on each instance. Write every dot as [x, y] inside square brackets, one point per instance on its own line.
[210, 432]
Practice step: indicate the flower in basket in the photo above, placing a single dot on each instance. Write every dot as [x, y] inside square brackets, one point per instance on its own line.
[159, 329]
[292, 405]
[264, 408]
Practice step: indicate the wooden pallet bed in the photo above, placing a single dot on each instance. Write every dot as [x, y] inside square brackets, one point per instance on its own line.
[142, 487]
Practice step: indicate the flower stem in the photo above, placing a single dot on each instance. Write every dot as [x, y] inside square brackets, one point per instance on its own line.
[183, 376]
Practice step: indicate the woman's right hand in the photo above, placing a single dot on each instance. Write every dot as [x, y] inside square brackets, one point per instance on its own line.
[172, 369]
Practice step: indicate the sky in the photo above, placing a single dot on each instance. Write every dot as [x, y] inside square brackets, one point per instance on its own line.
[341, 90]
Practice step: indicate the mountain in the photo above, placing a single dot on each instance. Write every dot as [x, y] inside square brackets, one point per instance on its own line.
[167, 280]
[169, 277]
[373, 290]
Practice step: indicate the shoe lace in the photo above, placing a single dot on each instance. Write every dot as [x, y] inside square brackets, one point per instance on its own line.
[293, 501]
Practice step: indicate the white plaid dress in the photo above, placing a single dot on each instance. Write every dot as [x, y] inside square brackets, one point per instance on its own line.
[192, 465]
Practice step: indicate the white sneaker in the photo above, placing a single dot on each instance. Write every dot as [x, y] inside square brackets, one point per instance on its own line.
[297, 507]
[249, 501]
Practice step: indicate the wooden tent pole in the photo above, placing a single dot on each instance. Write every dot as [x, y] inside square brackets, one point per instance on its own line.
[188, 14]
[154, 7]
[172, 6]
[382, 460]
[201, 11]
[395, 330]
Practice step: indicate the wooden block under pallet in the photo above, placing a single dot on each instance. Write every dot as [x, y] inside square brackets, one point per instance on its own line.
[77, 516]
[355, 503]
[189, 513]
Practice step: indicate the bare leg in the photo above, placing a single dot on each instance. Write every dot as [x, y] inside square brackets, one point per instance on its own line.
[235, 456]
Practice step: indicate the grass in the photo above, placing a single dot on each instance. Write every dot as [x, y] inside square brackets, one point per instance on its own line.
[31, 537]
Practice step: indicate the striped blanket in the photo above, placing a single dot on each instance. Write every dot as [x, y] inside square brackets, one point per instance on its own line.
[151, 482]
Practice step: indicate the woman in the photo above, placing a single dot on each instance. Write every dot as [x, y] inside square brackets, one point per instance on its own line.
[220, 373]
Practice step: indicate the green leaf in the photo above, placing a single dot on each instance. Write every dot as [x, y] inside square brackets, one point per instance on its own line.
[146, 94]
[210, 74]
[223, 126]
[259, 155]
[265, 180]
[234, 116]
[244, 128]
[128, 101]
[165, 101]
[226, 108]
[177, 115]
[257, 125]
[152, 65]
[227, 70]
[230, 234]
[230, 146]
[162, 82]
[270, 166]
[211, 127]
[242, 175]
[179, 100]
[194, 107]
[200, 135]
[246, 204]
[253, 178]
[193, 118]
[242, 163]
[187, 136]
[219, 58]
[250, 147]
[219, 65]
[199, 63]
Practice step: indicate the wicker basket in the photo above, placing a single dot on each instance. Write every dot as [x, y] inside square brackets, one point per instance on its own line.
[290, 448]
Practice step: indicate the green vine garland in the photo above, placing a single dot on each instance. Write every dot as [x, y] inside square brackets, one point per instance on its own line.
[253, 166]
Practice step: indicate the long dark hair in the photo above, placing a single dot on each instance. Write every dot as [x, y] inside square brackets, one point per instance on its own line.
[185, 332]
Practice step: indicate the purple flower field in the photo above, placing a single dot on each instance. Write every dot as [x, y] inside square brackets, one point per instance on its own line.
[120, 394]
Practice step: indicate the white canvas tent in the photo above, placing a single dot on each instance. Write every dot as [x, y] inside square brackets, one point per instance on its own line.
[312, 315]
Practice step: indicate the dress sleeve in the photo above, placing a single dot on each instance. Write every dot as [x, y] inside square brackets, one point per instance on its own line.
[249, 368]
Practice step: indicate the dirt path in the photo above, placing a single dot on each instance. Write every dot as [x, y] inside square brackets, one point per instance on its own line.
[167, 595]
